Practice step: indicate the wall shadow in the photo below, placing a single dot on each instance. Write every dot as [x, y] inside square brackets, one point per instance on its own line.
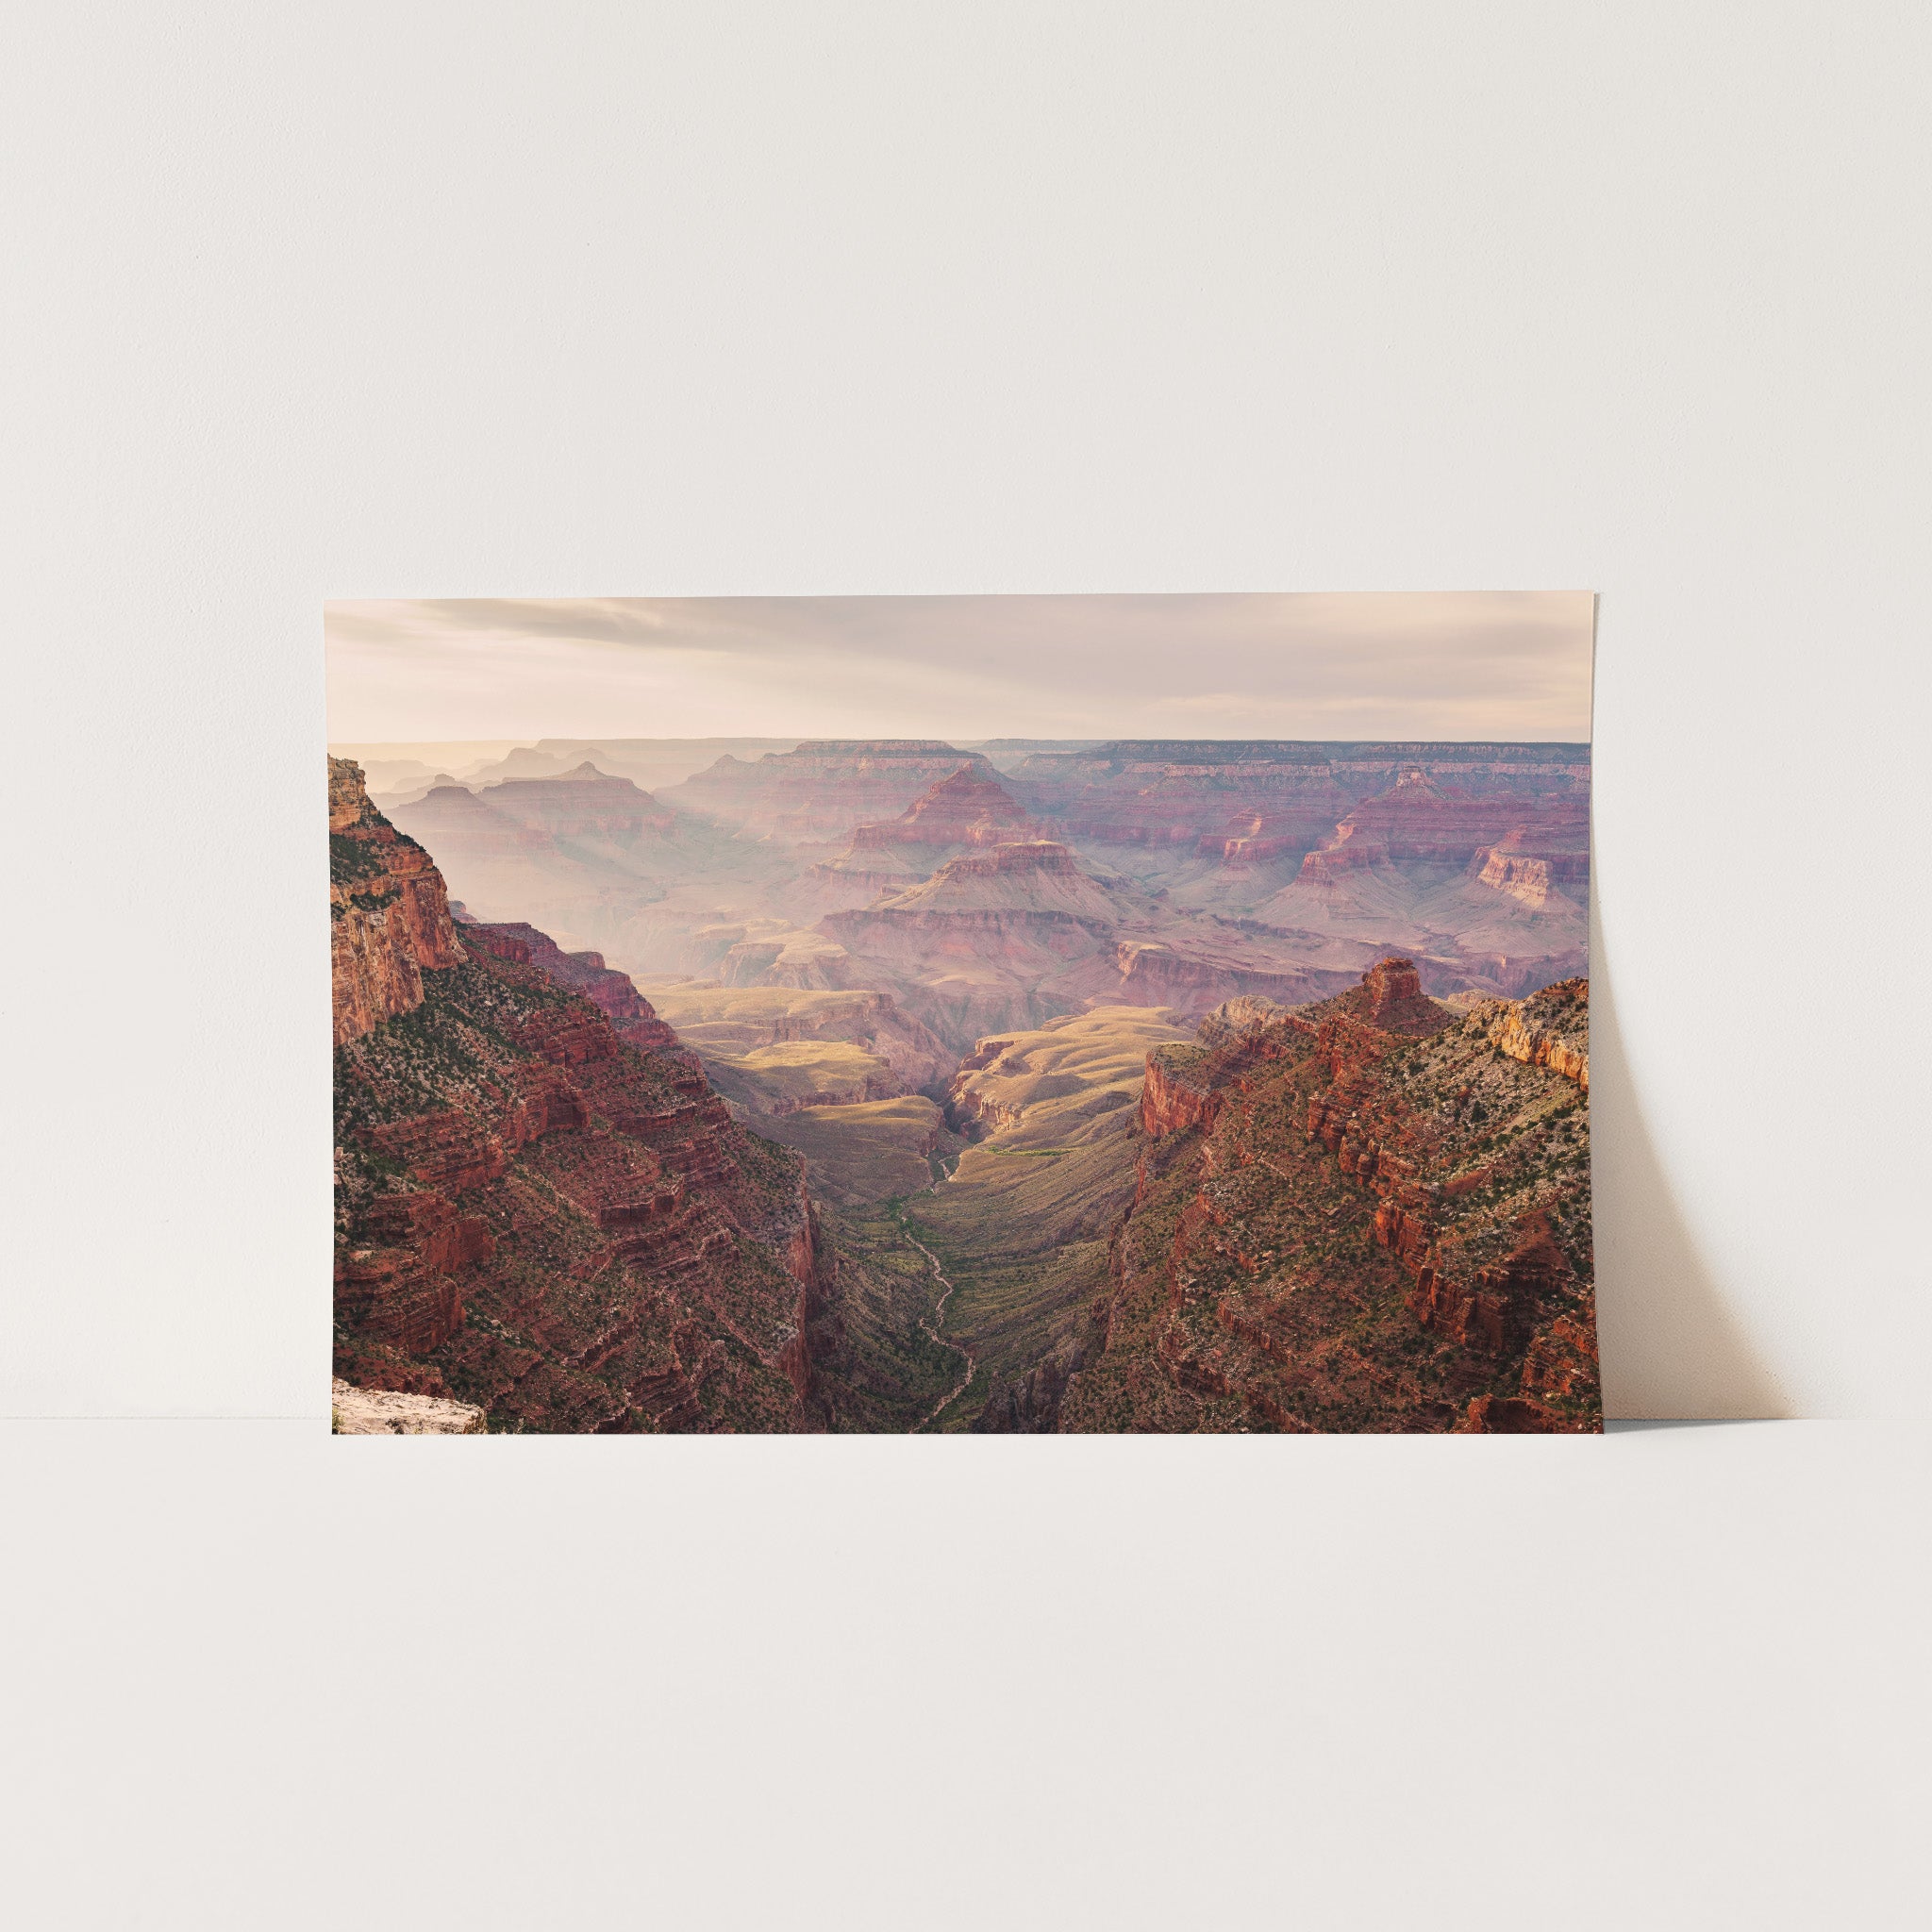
[1672, 1346]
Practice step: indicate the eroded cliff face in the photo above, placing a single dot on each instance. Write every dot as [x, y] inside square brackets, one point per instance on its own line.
[1551, 1028]
[536, 1214]
[969, 808]
[1245, 801]
[631, 1015]
[1012, 936]
[389, 915]
[1368, 1213]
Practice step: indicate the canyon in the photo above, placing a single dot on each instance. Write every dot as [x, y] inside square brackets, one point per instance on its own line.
[1211, 1086]
[544, 1211]
[1186, 874]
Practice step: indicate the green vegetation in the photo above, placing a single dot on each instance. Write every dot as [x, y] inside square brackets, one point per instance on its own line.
[352, 860]
[439, 1055]
[1024, 1244]
[867, 1153]
[1251, 1289]
[886, 1372]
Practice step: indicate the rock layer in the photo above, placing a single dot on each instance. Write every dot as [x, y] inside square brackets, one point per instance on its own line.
[389, 915]
[825, 790]
[969, 808]
[537, 1216]
[1366, 1213]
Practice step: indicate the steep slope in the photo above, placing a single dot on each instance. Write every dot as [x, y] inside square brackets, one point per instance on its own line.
[533, 1215]
[389, 916]
[1372, 1213]
[1035, 877]
[859, 1153]
[632, 1017]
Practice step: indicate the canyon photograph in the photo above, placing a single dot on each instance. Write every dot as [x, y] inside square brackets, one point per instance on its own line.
[962, 1015]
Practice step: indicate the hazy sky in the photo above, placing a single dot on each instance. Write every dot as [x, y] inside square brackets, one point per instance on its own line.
[1448, 665]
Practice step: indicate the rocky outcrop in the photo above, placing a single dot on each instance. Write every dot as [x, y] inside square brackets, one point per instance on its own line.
[1445, 821]
[1203, 968]
[1178, 1093]
[987, 943]
[582, 803]
[1187, 1086]
[386, 1412]
[1253, 837]
[1010, 936]
[968, 809]
[1035, 877]
[575, 854]
[1393, 1001]
[1550, 1029]
[389, 914]
[1362, 1213]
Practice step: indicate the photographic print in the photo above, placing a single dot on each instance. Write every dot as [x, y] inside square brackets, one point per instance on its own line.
[962, 1015]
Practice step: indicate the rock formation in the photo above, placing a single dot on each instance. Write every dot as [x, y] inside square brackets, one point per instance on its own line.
[389, 916]
[1010, 936]
[631, 1015]
[1278, 868]
[821, 793]
[1372, 1212]
[386, 1412]
[581, 803]
[1203, 796]
[1222, 1162]
[970, 808]
[535, 1215]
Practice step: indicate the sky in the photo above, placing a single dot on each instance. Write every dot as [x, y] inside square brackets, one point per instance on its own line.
[1321, 665]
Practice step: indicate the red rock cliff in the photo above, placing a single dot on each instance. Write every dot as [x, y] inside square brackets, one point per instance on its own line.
[389, 913]
[1367, 1213]
[542, 1207]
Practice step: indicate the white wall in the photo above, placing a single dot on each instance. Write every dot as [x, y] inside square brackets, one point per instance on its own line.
[488, 300]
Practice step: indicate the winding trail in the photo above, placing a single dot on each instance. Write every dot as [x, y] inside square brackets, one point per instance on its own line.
[931, 1326]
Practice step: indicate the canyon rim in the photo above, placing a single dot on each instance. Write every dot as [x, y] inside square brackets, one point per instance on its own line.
[962, 1015]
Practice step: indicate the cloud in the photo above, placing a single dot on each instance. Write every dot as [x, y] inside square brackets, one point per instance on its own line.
[1411, 665]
